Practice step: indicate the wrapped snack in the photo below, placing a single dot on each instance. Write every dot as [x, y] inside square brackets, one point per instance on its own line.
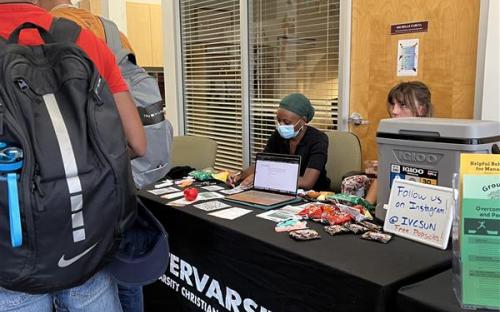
[355, 228]
[335, 229]
[377, 236]
[355, 213]
[356, 185]
[365, 212]
[351, 200]
[221, 176]
[290, 225]
[312, 194]
[335, 217]
[371, 226]
[201, 175]
[323, 195]
[312, 211]
[185, 182]
[306, 234]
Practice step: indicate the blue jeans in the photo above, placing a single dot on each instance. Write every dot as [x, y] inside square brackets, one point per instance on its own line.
[96, 295]
[131, 298]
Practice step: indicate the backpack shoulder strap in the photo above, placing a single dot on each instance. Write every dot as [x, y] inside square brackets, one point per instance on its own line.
[114, 42]
[112, 35]
[64, 30]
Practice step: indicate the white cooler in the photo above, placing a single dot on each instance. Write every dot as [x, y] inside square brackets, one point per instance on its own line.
[427, 150]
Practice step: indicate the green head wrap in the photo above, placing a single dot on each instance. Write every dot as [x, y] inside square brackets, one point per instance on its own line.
[298, 104]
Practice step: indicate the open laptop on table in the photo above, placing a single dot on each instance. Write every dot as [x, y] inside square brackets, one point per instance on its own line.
[274, 184]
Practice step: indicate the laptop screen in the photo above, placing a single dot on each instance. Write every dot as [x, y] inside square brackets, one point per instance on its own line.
[276, 172]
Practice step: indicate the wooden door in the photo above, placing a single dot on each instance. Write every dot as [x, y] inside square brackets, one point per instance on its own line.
[447, 58]
[144, 27]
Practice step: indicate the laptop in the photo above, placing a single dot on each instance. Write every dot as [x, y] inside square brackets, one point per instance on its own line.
[275, 182]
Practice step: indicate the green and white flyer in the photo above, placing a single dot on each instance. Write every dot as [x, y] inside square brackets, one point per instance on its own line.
[480, 230]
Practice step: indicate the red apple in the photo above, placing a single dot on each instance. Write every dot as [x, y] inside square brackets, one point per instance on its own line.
[190, 194]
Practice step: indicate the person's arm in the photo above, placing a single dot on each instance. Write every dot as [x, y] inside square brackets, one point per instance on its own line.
[132, 125]
[309, 178]
[371, 196]
[246, 177]
[318, 156]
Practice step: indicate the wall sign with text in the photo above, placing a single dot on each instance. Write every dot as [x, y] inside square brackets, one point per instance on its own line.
[421, 212]
[409, 28]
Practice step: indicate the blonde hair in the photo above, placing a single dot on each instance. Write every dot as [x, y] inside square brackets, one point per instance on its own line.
[413, 94]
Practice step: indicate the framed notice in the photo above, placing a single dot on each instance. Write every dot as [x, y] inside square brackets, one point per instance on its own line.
[407, 57]
[421, 212]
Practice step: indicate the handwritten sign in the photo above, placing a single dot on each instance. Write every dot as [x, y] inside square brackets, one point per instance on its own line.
[421, 212]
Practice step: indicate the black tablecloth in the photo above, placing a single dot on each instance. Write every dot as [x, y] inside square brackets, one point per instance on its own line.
[245, 258]
[434, 294]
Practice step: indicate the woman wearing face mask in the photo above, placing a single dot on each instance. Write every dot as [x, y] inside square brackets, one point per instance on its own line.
[406, 99]
[293, 136]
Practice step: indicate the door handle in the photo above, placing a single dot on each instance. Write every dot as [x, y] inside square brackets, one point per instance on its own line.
[357, 120]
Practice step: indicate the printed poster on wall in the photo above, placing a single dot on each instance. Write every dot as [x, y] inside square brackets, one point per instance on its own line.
[407, 57]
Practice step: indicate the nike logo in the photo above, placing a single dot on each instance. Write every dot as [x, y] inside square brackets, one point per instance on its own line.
[64, 263]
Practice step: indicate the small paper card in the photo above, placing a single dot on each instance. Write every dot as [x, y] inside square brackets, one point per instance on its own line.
[181, 202]
[162, 191]
[233, 191]
[172, 195]
[276, 215]
[230, 213]
[164, 184]
[211, 205]
[213, 188]
[209, 195]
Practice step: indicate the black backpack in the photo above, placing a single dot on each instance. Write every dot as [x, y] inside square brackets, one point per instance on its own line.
[62, 139]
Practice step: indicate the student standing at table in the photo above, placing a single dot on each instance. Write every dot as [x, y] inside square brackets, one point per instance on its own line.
[293, 136]
[131, 297]
[406, 99]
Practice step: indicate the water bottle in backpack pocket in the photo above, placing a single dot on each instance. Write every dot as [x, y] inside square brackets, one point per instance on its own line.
[11, 162]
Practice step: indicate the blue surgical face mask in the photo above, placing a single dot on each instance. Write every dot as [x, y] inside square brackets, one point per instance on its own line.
[288, 131]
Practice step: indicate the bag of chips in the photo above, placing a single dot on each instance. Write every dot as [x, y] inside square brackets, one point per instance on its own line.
[351, 200]
[335, 217]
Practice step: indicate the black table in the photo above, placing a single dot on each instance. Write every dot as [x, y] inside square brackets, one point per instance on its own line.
[434, 294]
[244, 265]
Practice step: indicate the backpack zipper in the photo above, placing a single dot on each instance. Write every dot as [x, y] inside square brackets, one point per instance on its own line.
[97, 81]
[35, 183]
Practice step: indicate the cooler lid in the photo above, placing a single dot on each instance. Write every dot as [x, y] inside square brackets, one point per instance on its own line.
[440, 128]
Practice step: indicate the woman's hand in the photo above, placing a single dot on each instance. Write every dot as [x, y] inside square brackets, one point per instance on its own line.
[233, 179]
[248, 181]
